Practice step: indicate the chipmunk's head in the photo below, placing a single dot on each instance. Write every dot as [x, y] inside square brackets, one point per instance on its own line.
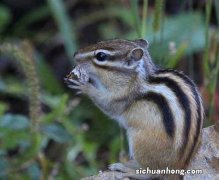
[113, 62]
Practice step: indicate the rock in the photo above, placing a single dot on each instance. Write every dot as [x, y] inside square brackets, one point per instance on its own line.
[207, 158]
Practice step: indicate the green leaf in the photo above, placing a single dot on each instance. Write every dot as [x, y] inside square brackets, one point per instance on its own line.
[11, 85]
[182, 29]
[12, 132]
[58, 105]
[3, 108]
[12, 138]
[185, 28]
[90, 150]
[32, 150]
[15, 122]
[57, 133]
[5, 17]
[115, 147]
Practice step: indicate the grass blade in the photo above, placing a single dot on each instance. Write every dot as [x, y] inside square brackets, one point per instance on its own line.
[158, 14]
[216, 4]
[212, 88]
[60, 15]
[144, 19]
[134, 7]
[208, 9]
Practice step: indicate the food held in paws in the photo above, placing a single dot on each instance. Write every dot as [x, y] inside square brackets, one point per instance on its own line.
[78, 74]
[72, 76]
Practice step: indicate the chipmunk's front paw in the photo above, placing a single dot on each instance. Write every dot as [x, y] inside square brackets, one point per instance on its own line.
[77, 85]
[82, 84]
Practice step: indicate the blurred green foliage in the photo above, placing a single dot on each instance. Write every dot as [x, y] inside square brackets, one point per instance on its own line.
[5, 17]
[65, 136]
[59, 13]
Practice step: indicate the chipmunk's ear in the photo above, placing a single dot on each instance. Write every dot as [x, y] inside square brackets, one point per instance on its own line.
[142, 43]
[134, 57]
[136, 54]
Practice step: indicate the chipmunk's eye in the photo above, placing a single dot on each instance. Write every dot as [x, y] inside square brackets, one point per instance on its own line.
[101, 56]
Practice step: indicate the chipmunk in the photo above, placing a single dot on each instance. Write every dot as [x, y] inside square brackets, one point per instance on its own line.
[160, 109]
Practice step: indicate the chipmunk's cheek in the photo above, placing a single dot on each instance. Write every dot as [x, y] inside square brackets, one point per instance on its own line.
[96, 82]
[93, 81]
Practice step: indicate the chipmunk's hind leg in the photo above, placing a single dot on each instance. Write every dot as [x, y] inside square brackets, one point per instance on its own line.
[121, 168]
[127, 167]
[129, 171]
